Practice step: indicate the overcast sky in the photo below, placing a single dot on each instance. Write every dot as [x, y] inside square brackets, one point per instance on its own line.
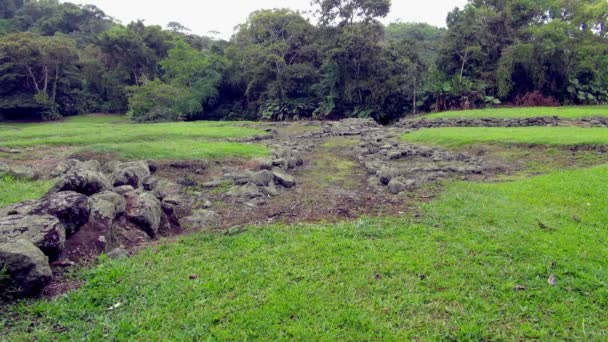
[222, 15]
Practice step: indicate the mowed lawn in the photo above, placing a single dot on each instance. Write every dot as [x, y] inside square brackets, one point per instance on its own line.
[550, 136]
[15, 190]
[476, 267]
[183, 140]
[567, 112]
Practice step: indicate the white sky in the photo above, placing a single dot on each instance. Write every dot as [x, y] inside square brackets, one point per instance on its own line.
[223, 15]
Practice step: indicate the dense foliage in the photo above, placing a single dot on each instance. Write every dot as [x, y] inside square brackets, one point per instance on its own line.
[65, 59]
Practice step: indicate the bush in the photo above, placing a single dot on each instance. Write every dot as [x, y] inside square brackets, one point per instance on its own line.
[155, 102]
[536, 99]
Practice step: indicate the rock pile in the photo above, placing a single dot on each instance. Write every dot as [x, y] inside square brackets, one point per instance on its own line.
[401, 166]
[92, 209]
[420, 123]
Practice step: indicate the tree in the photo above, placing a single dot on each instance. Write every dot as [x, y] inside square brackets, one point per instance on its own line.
[41, 64]
[176, 27]
[342, 12]
[274, 54]
[137, 49]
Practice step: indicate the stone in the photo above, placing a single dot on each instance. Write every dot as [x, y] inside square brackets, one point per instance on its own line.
[86, 182]
[108, 204]
[283, 179]
[22, 208]
[71, 208]
[72, 165]
[131, 173]
[265, 164]
[123, 189]
[270, 190]
[144, 210]
[177, 205]
[27, 269]
[44, 231]
[393, 155]
[162, 188]
[387, 174]
[201, 219]
[110, 167]
[18, 171]
[395, 186]
[280, 162]
[262, 178]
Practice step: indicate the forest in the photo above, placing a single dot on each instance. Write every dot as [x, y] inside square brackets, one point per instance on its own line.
[61, 59]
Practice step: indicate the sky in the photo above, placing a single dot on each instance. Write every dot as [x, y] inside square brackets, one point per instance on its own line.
[205, 16]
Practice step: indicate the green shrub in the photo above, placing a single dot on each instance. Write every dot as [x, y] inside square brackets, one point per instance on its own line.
[154, 102]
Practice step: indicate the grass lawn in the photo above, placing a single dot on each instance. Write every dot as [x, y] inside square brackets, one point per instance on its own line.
[570, 112]
[183, 140]
[460, 136]
[14, 190]
[475, 267]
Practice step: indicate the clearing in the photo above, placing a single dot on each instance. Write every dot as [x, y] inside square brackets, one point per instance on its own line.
[439, 234]
[567, 112]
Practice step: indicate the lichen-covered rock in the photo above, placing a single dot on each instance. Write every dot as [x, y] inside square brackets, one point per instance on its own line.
[131, 173]
[177, 206]
[18, 171]
[144, 210]
[27, 269]
[72, 165]
[387, 174]
[71, 208]
[262, 178]
[86, 182]
[108, 204]
[22, 208]
[283, 179]
[201, 219]
[160, 188]
[396, 186]
[44, 231]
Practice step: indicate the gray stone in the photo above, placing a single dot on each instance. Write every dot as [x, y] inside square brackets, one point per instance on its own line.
[123, 189]
[131, 173]
[44, 231]
[164, 188]
[177, 206]
[71, 208]
[144, 210]
[393, 155]
[108, 203]
[262, 178]
[110, 167]
[283, 179]
[72, 165]
[395, 186]
[18, 171]
[387, 174]
[201, 219]
[265, 164]
[27, 269]
[86, 182]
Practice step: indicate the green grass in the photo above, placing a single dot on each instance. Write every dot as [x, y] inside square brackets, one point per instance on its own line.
[183, 149]
[556, 136]
[570, 112]
[15, 190]
[450, 276]
[182, 140]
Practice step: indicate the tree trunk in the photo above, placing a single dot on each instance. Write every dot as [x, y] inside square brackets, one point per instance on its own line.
[414, 98]
[29, 71]
[54, 95]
